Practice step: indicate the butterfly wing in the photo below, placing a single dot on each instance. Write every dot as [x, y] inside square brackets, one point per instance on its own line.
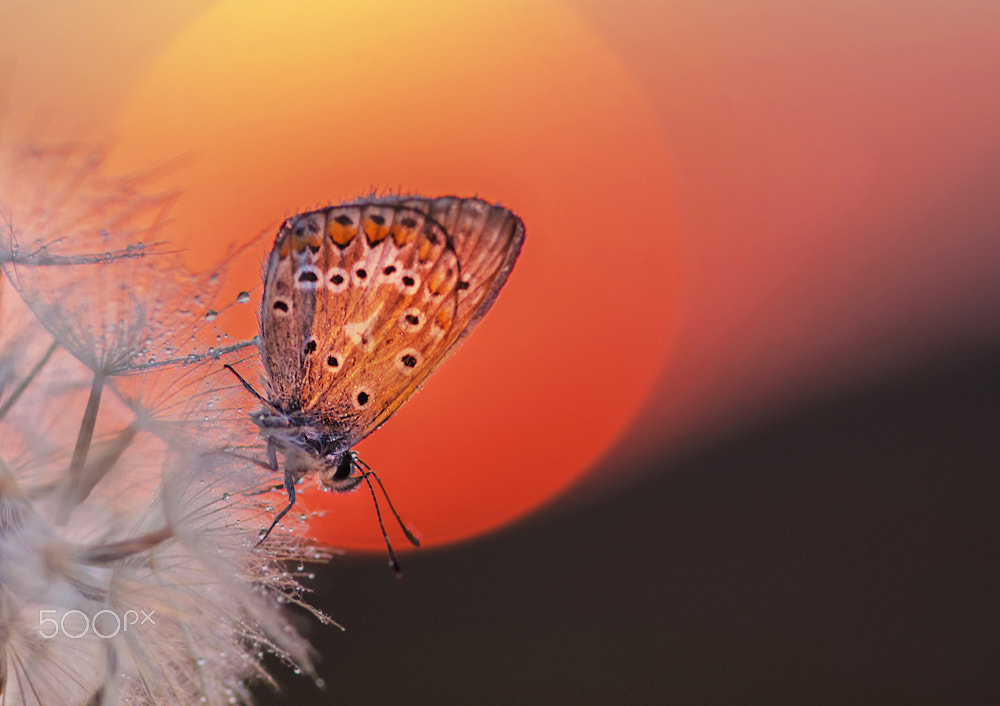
[363, 301]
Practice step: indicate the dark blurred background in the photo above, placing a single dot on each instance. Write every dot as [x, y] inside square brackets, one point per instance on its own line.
[846, 551]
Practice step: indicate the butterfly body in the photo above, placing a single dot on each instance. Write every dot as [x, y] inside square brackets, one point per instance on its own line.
[308, 446]
[362, 302]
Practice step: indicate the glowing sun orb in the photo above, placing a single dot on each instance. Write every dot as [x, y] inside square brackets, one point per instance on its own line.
[290, 107]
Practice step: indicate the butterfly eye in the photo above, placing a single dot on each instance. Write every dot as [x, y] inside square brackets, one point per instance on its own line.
[337, 279]
[310, 347]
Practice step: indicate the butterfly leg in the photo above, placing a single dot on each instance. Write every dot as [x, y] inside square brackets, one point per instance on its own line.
[272, 454]
[271, 464]
[290, 489]
[268, 489]
[249, 459]
[289, 484]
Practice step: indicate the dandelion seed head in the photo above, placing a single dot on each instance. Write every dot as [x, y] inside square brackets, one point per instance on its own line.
[130, 570]
[89, 255]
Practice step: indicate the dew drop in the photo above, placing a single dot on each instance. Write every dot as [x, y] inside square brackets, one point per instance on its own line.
[211, 314]
[243, 297]
[201, 661]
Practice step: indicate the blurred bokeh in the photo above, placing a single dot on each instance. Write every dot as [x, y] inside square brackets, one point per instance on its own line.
[736, 410]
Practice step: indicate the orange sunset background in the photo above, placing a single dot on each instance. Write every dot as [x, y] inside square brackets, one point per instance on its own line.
[267, 118]
[735, 211]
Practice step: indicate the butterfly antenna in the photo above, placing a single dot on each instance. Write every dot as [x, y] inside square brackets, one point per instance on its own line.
[406, 530]
[393, 561]
[290, 489]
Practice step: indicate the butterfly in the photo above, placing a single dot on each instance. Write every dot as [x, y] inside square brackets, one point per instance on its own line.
[362, 302]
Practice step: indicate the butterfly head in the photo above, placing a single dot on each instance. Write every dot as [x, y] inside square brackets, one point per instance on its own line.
[309, 447]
